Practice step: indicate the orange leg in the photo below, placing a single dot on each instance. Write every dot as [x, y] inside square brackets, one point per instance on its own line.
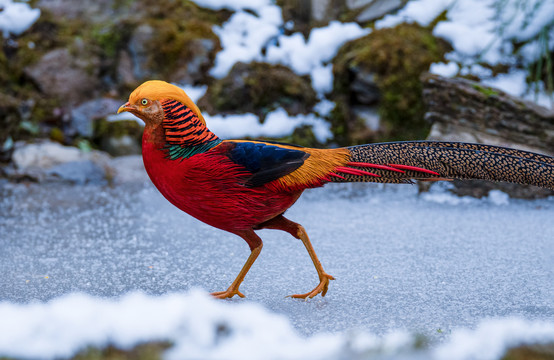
[256, 247]
[298, 231]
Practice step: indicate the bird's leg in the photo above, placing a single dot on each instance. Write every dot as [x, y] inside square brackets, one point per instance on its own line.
[298, 231]
[255, 244]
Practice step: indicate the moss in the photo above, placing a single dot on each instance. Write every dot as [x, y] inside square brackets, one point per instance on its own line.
[148, 351]
[485, 90]
[397, 56]
[260, 88]
[105, 132]
[531, 352]
[302, 136]
[117, 129]
[175, 43]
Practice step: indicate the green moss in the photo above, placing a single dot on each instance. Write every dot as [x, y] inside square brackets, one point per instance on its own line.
[485, 90]
[531, 352]
[260, 88]
[117, 129]
[397, 56]
[302, 136]
[175, 42]
[148, 351]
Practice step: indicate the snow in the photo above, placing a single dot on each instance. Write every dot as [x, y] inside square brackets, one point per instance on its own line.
[449, 69]
[322, 45]
[512, 82]
[243, 36]
[483, 31]
[491, 338]
[277, 124]
[200, 327]
[420, 11]
[194, 92]
[16, 17]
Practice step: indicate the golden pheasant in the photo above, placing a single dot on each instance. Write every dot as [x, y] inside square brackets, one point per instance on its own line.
[243, 186]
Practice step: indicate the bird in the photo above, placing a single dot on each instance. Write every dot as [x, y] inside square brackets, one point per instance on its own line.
[241, 186]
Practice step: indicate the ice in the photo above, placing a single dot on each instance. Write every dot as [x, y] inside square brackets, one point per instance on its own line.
[16, 17]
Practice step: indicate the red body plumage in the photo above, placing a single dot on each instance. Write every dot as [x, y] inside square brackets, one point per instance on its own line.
[208, 187]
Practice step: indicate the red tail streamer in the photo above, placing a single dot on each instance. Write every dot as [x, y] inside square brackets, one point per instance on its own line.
[375, 166]
[351, 171]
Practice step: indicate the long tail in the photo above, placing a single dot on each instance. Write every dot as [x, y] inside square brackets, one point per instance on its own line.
[400, 162]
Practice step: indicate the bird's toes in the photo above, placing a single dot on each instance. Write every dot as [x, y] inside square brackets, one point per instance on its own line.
[227, 294]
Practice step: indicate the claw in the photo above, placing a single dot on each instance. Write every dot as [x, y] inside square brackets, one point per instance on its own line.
[322, 288]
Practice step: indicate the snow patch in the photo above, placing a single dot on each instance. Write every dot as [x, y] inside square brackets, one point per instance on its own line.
[419, 11]
[203, 328]
[16, 17]
[244, 35]
[322, 45]
[447, 198]
[277, 124]
[491, 339]
[194, 92]
[448, 70]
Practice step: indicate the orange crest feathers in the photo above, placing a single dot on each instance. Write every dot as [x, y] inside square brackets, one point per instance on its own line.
[159, 90]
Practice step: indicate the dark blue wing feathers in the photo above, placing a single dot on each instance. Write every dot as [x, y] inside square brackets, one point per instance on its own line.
[266, 162]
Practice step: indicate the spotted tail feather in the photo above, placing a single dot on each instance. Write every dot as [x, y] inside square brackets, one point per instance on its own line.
[401, 162]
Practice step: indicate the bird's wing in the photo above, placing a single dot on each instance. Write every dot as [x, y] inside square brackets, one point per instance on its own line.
[283, 166]
[399, 162]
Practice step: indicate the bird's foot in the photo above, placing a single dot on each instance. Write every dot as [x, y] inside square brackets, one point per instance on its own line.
[321, 288]
[227, 294]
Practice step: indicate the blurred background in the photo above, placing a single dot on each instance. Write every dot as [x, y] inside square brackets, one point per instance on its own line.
[310, 72]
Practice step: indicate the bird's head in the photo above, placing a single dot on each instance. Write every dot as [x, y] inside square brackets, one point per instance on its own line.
[146, 101]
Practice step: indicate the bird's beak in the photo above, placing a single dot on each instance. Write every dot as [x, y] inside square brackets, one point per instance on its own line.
[125, 107]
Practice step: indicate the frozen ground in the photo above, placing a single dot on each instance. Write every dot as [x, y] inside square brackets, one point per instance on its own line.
[425, 264]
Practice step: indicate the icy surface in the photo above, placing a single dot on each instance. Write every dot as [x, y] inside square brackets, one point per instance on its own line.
[402, 261]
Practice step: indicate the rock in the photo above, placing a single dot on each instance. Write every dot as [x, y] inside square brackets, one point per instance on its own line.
[44, 154]
[79, 172]
[122, 137]
[73, 79]
[83, 116]
[193, 70]
[259, 88]
[139, 47]
[50, 161]
[383, 70]
[71, 9]
[464, 110]
[305, 14]
[128, 169]
[369, 10]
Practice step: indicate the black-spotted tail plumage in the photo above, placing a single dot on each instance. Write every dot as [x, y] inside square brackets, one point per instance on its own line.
[400, 162]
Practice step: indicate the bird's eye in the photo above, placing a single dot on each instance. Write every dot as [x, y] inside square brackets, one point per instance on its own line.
[144, 102]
